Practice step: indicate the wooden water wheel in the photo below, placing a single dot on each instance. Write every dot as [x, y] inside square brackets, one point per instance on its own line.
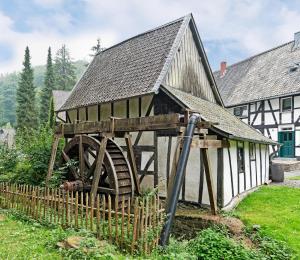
[80, 154]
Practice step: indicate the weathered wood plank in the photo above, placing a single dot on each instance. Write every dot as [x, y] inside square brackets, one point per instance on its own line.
[98, 167]
[209, 180]
[52, 158]
[132, 162]
[150, 123]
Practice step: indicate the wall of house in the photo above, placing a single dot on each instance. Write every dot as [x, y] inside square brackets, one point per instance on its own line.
[256, 169]
[227, 181]
[266, 116]
[187, 72]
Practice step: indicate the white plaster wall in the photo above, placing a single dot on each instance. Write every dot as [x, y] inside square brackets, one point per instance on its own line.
[227, 178]
[286, 118]
[269, 120]
[192, 180]
[73, 115]
[213, 157]
[93, 113]
[258, 161]
[247, 165]
[275, 103]
[82, 114]
[233, 154]
[296, 101]
[296, 114]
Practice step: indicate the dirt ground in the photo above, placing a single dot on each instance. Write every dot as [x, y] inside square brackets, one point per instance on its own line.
[190, 220]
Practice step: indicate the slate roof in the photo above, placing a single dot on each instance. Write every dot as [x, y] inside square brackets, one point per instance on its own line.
[231, 126]
[262, 76]
[59, 98]
[130, 68]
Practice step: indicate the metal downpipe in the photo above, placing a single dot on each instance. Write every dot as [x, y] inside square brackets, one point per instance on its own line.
[178, 180]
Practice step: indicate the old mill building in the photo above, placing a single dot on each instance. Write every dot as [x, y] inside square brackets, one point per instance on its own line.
[264, 91]
[161, 71]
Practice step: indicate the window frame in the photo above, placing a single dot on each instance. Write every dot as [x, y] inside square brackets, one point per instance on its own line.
[240, 159]
[243, 108]
[252, 151]
[281, 104]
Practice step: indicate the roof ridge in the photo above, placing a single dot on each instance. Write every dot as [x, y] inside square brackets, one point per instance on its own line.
[146, 32]
[258, 54]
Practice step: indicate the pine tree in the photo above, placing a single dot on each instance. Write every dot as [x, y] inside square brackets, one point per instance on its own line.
[26, 110]
[96, 48]
[64, 70]
[47, 89]
[51, 114]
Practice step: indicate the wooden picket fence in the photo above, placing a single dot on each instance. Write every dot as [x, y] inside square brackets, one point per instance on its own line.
[134, 226]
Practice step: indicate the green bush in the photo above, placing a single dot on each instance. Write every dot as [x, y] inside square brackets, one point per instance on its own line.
[216, 244]
[28, 162]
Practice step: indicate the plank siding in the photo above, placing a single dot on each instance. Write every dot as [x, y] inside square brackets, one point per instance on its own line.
[187, 72]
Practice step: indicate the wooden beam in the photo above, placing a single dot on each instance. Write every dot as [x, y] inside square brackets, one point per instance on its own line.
[52, 158]
[150, 123]
[209, 180]
[81, 158]
[131, 157]
[72, 168]
[98, 167]
[206, 143]
[174, 167]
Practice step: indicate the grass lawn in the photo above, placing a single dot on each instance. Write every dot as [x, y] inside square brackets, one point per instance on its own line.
[24, 241]
[295, 178]
[277, 210]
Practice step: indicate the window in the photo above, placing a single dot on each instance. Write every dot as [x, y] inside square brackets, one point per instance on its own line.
[241, 111]
[252, 151]
[286, 104]
[241, 157]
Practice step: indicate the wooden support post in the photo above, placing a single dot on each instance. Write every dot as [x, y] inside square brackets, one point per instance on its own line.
[52, 158]
[81, 158]
[174, 166]
[209, 180]
[132, 162]
[98, 167]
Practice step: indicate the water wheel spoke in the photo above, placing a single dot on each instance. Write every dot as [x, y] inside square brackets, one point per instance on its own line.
[72, 167]
[81, 158]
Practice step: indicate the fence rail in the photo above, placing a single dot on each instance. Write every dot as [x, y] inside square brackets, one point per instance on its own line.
[133, 226]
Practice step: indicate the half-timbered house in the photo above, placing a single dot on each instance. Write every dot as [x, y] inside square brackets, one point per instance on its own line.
[264, 91]
[162, 71]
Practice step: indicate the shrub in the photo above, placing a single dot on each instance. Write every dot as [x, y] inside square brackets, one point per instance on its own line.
[28, 162]
[216, 244]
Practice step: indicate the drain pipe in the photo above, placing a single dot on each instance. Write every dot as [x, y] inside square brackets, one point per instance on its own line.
[180, 171]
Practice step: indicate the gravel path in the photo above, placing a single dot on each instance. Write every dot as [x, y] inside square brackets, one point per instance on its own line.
[287, 182]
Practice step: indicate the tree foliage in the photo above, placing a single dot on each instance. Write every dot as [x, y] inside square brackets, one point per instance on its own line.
[26, 107]
[46, 95]
[8, 86]
[51, 114]
[96, 48]
[64, 70]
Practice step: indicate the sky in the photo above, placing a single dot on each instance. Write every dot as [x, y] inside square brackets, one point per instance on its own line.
[231, 30]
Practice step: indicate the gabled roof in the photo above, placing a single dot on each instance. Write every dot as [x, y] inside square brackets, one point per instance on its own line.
[59, 98]
[228, 124]
[262, 76]
[134, 67]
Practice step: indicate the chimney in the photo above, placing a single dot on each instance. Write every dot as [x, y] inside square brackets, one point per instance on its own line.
[223, 68]
[296, 40]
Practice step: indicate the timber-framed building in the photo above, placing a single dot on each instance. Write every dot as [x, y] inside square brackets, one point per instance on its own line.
[264, 91]
[165, 72]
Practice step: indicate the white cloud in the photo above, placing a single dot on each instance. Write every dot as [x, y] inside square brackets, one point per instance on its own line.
[247, 26]
[39, 41]
[49, 3]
